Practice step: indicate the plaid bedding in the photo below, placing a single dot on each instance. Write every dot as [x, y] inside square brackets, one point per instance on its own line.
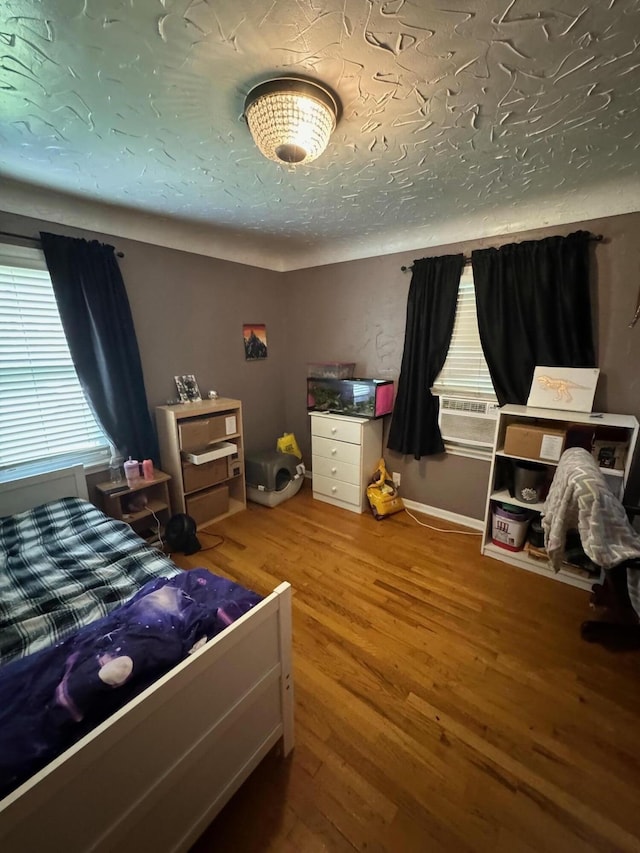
[63, 565]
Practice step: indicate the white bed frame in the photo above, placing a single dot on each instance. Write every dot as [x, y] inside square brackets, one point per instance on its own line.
[156, 773]
[27, 492]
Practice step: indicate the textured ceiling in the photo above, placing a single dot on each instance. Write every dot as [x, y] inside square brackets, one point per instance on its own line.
[453, 112]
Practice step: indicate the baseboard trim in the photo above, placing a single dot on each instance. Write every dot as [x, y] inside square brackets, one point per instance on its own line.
[436, 512]
[445, 515]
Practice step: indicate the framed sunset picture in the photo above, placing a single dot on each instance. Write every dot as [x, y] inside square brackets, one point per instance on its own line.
[255, 341]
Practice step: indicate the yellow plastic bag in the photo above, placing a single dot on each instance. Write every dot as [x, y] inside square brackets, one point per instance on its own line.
[382, 494]
[287, 444]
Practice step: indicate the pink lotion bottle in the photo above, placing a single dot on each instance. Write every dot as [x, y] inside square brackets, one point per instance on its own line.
[147, 470]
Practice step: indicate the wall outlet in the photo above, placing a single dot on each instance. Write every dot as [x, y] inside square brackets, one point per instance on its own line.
[396, 478]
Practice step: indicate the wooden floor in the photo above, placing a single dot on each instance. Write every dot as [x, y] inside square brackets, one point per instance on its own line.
[444, 700]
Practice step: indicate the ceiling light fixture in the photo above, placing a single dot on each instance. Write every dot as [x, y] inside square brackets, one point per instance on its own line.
[291, 119]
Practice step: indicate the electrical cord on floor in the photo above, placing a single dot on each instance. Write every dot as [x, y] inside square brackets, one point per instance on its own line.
[440, 529]
[201, 550]
[160, 542]
[211, 547]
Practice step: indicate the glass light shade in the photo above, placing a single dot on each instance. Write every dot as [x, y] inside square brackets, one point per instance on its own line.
[291, 120]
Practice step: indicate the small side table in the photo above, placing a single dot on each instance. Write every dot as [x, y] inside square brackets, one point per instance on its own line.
[138, 503]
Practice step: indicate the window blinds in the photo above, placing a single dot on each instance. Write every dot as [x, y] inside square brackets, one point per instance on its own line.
[465, 372]
[44, 415]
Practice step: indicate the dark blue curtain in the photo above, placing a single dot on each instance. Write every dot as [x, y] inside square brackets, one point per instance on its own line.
[534, 308]
[97, 321]
[431, 311]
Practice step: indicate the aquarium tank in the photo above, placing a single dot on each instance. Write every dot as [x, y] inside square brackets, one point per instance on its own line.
[364, 398]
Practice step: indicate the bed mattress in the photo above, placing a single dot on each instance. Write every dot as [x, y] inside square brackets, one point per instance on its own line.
[65, 564]
[89, 617]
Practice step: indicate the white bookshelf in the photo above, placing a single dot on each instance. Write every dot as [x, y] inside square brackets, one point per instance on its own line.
[498, 492]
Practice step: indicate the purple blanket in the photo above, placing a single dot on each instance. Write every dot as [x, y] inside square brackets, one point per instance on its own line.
[52, 698]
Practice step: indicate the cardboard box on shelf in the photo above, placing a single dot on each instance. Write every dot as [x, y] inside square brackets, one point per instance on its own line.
[200, 476]
[207, 505]
[535, 441]
[198, 433]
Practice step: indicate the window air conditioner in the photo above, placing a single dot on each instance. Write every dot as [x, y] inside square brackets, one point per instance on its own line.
[471, 422]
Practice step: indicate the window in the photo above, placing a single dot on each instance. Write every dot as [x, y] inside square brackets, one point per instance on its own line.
[468, 404]
[45, 420]
[465, 372]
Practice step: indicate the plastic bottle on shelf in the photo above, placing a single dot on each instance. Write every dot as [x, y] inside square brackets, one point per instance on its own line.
[132, 471]
[116, 473]
[147, 469]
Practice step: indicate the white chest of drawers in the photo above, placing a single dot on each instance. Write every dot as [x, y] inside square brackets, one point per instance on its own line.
[345, 452]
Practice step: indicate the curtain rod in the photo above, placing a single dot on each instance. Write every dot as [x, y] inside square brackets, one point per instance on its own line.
[36, 239]
[595, 238]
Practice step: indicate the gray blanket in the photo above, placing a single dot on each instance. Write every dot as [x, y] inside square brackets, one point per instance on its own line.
[579, 498]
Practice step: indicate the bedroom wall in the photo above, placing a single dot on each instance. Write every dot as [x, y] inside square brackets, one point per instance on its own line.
[188, 312]
[189, 309]
[355, 311]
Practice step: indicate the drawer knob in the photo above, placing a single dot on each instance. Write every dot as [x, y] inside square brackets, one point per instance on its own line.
[333, 470]
[334, 489]
[334, 430]
[333, 451]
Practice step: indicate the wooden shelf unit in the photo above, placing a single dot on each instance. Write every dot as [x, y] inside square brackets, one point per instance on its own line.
[156, 494]
[498, 492]
[214, 489]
